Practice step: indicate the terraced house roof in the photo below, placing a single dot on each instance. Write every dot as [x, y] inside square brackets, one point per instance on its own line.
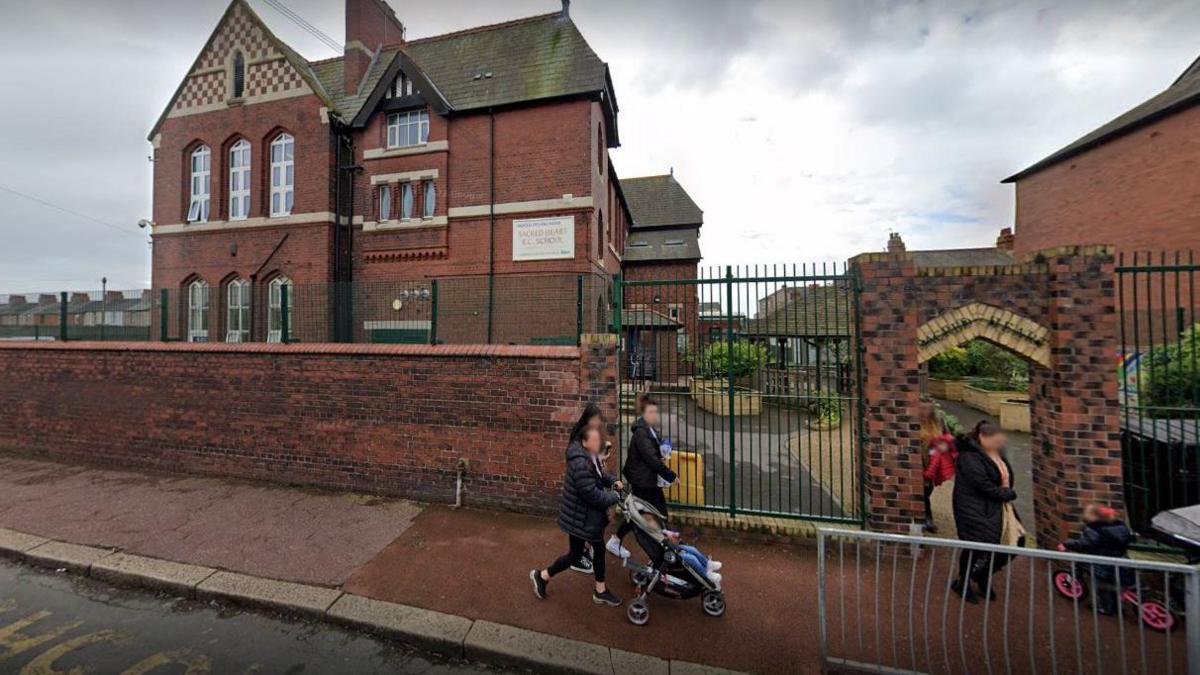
[1184, 92]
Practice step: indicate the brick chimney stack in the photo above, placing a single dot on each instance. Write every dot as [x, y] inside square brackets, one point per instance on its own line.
[1005, 241]
[370, 24]
[16, 300]
[895, 243]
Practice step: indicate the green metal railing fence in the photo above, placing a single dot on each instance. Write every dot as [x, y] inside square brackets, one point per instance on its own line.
[542, 309]
[1159, 375]
[757, 376]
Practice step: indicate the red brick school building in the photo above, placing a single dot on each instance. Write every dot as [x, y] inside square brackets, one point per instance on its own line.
[479, 157]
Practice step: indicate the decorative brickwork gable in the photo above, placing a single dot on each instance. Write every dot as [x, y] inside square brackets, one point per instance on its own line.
[1056, 308]
[269, 73]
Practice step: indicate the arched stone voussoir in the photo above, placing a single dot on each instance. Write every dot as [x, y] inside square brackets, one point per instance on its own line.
[977, 320]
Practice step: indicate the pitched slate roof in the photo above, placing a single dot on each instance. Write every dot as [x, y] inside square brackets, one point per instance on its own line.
[821, 311]
[660, 201]
[535, 58]
[1183, 93]
[656, 245]
[331, 74]
[962, 257]
[538, 57]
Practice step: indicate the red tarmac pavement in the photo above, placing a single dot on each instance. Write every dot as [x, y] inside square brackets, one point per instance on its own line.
[476, 564]
[282, 533]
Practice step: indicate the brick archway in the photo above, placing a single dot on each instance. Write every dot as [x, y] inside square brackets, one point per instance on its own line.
[1056, 308]
[977, 320]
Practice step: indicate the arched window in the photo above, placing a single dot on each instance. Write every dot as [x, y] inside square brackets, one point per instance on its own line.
[239, 75]
[283, 178]
[239, 180]
[406, 201]
[430, 199]
[600, 147]
[237, 311]
[275, 307]
[198, 311]
[201, 163]
[385, 203]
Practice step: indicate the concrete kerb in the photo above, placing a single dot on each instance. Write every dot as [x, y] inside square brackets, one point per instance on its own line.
[447, 634]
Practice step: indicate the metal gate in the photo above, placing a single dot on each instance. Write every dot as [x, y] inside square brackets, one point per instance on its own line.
[1159, 311]
[757, 375]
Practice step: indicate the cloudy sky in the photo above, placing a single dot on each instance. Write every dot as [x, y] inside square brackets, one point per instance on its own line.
[806, 130]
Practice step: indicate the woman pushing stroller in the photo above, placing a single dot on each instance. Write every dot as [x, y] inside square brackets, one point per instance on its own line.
[643, 467]
[588, 492]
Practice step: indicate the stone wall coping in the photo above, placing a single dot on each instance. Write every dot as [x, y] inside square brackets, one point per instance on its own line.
[1033, 261]
[328, 349]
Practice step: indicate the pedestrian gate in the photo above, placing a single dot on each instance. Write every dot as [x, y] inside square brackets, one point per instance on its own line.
[757, 374]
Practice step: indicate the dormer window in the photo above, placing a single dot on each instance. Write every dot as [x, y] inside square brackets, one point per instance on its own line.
[401, 86]
[239, 75]
[408, 128]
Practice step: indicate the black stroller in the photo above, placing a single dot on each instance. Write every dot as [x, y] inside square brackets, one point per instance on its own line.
[666, 574]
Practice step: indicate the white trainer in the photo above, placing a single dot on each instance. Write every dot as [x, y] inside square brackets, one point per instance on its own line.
[715, 579]
[614, 547]
[714, 566]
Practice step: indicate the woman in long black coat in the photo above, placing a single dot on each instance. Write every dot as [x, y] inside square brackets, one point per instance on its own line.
[587, 494]
[983, 507]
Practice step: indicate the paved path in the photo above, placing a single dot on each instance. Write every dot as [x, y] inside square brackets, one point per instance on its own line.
[64, 622]
[282, 533]
[766, 474]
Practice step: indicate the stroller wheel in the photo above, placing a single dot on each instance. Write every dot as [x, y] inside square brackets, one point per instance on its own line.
[1156, 617]
[1068, 586]
[714, 603]
[638, 613]
[639, 578]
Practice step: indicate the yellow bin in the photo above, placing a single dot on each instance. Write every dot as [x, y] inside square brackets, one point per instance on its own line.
[689, 489]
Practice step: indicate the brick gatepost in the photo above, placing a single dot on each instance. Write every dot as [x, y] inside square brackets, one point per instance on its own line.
[1056, 309]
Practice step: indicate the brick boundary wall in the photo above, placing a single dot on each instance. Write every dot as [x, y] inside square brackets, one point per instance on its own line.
[1056, 307]
[386, 419]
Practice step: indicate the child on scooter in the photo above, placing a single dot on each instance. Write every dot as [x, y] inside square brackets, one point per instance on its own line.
[1106, 535]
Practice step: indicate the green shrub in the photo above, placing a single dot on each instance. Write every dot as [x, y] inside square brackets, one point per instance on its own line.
[713, 361]
[983, 361]
[825, 407]
[951, 364]
[1172, 381]
[950, 422]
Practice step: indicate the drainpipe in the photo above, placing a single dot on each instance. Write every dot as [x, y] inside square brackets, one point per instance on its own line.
[491, 219]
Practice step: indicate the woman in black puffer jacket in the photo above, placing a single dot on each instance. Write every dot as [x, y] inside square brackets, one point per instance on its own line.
[983, 508]
[587, 494]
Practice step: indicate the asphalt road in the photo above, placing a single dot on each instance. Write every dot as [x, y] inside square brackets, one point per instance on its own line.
[55, 623]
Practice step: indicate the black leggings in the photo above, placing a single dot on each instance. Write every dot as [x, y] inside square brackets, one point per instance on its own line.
[655, 497]
[928, 506]
[574, 554]
[980, 566]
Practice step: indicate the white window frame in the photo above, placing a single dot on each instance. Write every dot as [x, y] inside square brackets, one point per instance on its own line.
[401, 86]
[239, 180]
[385, 203]
[408, 129]
[275, 308]
[198, 307]
[283, 177]
[429, 202]
[406, 201]
[200, 187]
[237, 311]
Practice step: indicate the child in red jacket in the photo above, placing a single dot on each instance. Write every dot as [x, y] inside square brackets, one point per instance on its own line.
[938, 470]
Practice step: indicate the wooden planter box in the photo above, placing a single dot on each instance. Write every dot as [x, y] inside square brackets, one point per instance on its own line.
[947, 390]
[698, 384]
[1014, 415]
[988, 401]
[716, 400]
